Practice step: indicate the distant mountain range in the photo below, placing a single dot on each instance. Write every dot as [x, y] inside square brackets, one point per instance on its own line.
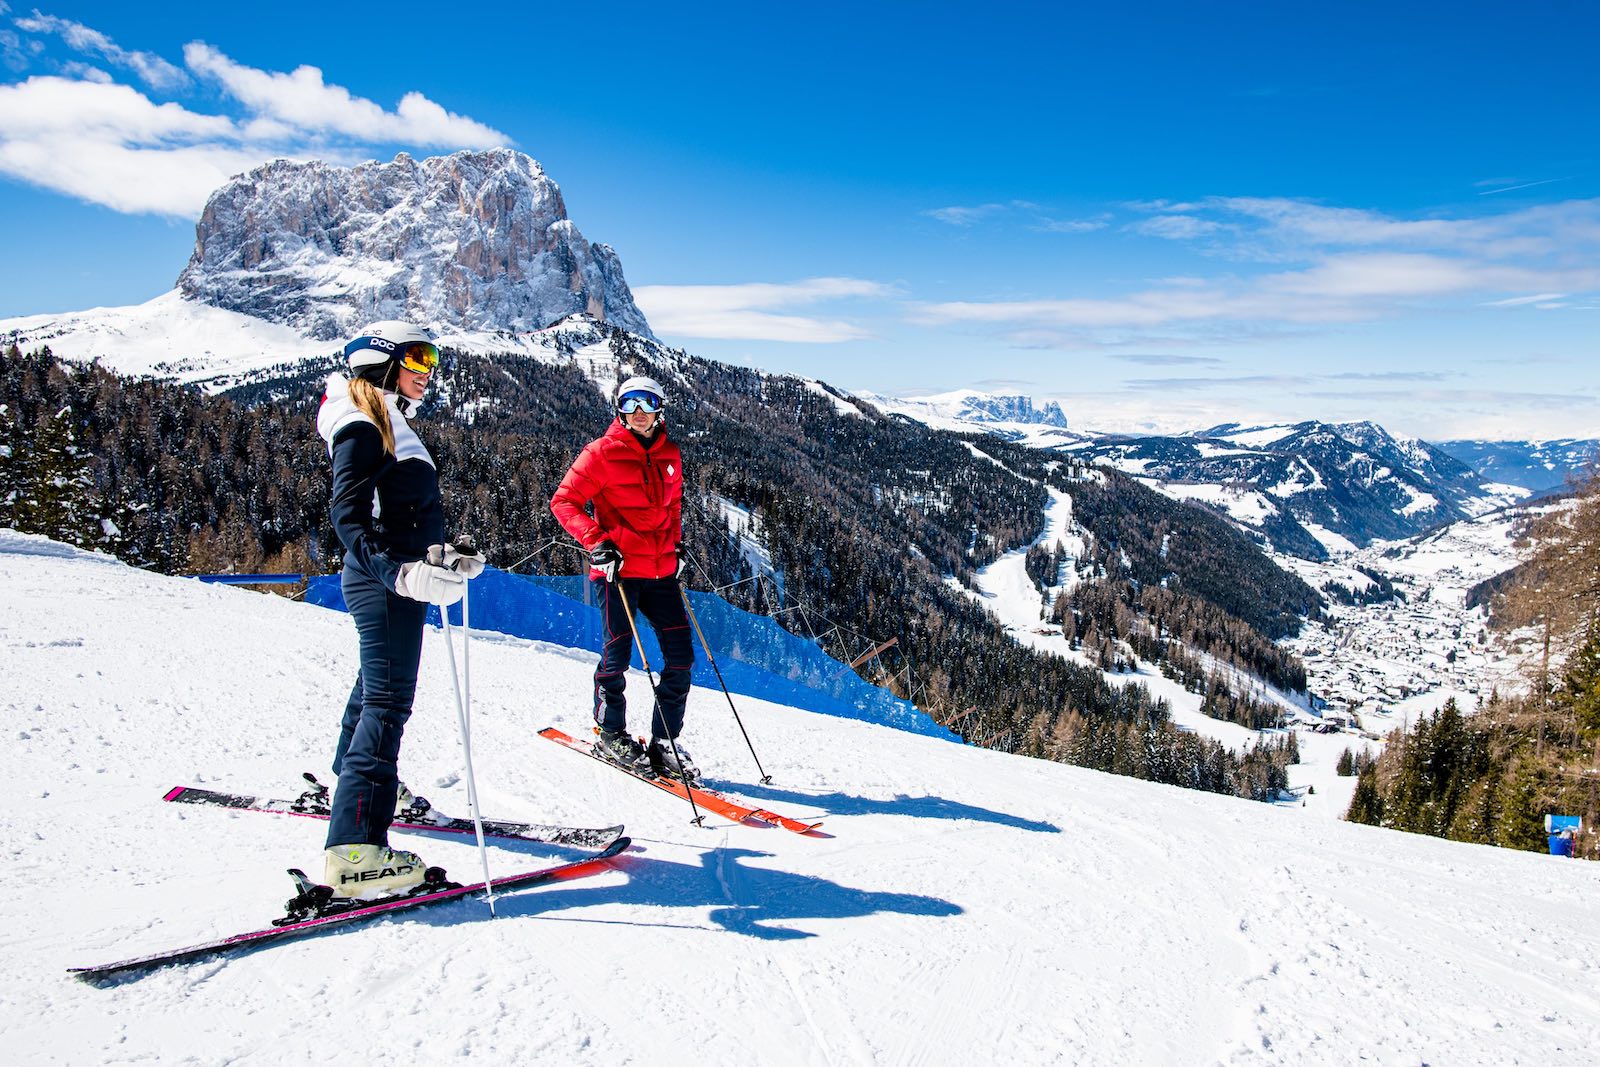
[1308, 489]
[1535, 465]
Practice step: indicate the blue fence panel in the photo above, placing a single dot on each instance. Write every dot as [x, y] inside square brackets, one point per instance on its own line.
[758, 657]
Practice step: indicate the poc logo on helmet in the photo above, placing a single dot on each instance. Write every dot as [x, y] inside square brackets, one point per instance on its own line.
[378, 342]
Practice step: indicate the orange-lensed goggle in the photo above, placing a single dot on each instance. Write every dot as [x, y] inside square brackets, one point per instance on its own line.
[419, 357]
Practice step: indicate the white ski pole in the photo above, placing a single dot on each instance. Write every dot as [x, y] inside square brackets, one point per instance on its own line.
[436, 557]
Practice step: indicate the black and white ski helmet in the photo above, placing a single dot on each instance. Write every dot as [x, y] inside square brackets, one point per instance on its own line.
[371, 352]
[639, 384]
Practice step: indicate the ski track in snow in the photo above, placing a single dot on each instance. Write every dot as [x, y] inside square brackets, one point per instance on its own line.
[969, 907]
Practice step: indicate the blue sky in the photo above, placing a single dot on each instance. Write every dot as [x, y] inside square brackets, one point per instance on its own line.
[1163, 214]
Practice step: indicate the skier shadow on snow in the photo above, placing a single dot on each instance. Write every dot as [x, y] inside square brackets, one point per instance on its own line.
[754, 901]
[923, 807]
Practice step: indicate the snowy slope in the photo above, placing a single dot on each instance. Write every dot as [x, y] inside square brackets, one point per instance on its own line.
[970, 907]
[1004, 588]
[188, 341]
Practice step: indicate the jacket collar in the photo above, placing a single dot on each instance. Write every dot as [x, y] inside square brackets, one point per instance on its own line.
[617, 431]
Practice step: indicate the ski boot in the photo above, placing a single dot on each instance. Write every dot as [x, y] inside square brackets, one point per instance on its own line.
[665, 764]
[370, 872]
[408, 807]
[620, 748]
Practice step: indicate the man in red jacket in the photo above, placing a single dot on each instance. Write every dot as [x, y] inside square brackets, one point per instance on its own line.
[633, 475]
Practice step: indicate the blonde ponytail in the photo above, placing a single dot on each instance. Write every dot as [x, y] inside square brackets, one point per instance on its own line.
[368, 399]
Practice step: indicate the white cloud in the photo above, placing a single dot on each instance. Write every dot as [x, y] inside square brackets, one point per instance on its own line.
[11, 51]
[1334, 265]
[90, 137]
[110, 145]
[1049, 225]
[301, 99]
[748, 312]
[87, 72]
[1516, 301]
[1175, 227]
[964, 216]
[971, 214]
[151, 69]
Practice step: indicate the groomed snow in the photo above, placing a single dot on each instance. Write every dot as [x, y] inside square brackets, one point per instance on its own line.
[970, 907]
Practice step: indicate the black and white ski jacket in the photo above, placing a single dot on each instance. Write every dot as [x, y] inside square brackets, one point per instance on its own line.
[386, 509]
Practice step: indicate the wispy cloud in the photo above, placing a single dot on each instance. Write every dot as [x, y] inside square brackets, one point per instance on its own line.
[1175, 227]
[755, 311]
[81, 132]
[1152, 359]
[1302, 266]
[1246, 381]
[1038, 219]
[150, 68]
[965, 215]
[1511, 185]
[1517, 301]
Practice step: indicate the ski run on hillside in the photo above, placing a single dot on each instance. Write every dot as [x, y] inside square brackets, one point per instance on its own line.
[966, 907]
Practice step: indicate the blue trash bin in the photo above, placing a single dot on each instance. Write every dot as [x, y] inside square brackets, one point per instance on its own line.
[1560, 845]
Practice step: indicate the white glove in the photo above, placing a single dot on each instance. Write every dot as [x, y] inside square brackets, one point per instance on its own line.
[429, 584]
[464, 558]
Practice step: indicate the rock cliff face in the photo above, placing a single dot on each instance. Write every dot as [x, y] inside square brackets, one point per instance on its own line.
[474, 240]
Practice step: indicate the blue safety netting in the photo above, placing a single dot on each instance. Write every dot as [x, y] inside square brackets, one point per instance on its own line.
[758, 657]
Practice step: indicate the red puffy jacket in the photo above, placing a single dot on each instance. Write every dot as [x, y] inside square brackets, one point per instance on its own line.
[638, 500]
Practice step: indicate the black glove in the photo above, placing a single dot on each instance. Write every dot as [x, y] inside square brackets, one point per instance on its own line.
[683, 561]
[606, 558]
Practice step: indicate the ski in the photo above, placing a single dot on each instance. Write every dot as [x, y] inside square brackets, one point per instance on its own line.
[316, 900]
[313, 804]
[706, 798]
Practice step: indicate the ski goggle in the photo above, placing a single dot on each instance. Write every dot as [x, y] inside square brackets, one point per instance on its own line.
[419, 357]
[638, 400]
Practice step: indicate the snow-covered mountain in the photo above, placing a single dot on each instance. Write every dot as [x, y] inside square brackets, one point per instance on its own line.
[1535, 465]
[1307, 488]
[1311, 487]
[292, 257]
[1012, 416]
[968, 906]
[478, 240]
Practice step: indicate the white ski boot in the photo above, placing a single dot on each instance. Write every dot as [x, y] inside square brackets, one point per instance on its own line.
[366, 872]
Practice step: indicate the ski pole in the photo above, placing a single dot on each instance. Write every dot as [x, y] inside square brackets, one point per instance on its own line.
[436, 557]
[766, 779]
[627, 609]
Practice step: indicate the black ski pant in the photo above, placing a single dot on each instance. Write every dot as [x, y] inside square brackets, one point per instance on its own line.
[390, 627]
[659, 601]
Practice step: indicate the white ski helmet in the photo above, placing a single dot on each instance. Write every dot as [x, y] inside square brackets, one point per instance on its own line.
[371, 353]
[641, 387]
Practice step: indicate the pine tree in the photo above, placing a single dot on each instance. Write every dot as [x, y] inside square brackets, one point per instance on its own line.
[55, 494]
[1581, 686]
[10, 466]
[1366, 803]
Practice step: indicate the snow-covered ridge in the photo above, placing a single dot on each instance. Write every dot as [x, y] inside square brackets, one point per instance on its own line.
[184, 340]
[1298, 941]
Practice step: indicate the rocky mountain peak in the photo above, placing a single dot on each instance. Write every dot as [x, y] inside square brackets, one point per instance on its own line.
[474, 240]
[991, 408]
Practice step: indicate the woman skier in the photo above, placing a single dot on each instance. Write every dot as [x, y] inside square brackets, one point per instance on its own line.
[387, 512]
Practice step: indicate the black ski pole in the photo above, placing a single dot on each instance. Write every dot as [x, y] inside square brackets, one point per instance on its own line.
[688, 790]
[766, 779]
